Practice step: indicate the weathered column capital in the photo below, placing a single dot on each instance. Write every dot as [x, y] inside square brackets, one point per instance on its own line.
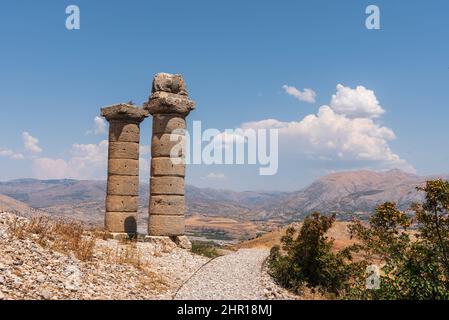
[124, 111]
[169, 96]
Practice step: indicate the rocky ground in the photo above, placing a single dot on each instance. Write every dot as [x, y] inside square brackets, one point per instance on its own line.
[116, 270]
[33, 267]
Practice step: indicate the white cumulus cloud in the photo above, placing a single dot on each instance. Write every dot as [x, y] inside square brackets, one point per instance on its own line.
[336, 136]
[356, 103]
[31, 143]
[345, 131]
[307, 95]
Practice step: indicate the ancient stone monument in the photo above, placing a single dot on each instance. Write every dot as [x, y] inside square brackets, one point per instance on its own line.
[169, 104]
[122, 199]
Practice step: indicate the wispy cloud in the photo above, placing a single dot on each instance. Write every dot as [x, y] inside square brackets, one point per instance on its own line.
[100, 127]
[87, 161]
[215, 176]
[307, 95]
[11, 154]
[31, 143]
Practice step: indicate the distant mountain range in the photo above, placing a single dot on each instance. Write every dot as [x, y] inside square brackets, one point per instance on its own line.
[356, 192]
[346, 193]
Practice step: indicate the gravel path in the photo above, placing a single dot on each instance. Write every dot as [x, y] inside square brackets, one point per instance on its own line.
[236, 276]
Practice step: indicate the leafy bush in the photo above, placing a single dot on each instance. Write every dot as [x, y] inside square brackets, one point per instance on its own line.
[309, 260]
[412, 268]
[412, 252]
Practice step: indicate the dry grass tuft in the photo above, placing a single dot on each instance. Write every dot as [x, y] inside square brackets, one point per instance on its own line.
[65, 236]
[129, 254]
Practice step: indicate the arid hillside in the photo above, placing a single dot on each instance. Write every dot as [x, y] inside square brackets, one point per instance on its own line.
[339, 233]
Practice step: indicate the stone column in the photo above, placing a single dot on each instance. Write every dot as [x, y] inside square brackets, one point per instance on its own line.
[122, 199]
[169, 104]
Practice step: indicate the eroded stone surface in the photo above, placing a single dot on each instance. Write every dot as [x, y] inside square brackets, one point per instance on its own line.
[166, 145]
[167, 205]
[126, 167]
[125, 222]
[123, 185]
[123, 131]
[125, 112]
[169, 103]
[169, 96]
[168, 123]
[116, 203]
[166, 167]
[166, 185]
[163, 225]
[172, 83]
[124, 150]
[183, 242]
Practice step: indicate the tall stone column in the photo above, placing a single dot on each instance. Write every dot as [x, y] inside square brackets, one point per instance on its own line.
[169, 104]
[122, 199]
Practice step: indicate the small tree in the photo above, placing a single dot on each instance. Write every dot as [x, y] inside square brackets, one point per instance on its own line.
[414, 262]
[413, 253]
[309, 260]
[433, 219]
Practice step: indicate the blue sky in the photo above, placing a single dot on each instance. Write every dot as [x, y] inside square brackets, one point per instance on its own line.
[236, 57]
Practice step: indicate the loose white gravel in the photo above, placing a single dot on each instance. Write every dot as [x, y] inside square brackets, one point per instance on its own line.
[237, 276]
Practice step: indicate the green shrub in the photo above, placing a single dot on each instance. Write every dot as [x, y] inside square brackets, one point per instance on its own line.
[206, 249]
[412, 252]
[308, 260]
[411, 268]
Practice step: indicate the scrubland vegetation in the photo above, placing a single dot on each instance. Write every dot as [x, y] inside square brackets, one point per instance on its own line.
[410, 250]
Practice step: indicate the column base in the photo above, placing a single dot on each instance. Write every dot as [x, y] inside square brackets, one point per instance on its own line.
[120, 236]
[174, 241]
[182, 242]
[170, 242]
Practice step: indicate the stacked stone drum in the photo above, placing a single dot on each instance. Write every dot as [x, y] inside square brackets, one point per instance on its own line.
[122, 198]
